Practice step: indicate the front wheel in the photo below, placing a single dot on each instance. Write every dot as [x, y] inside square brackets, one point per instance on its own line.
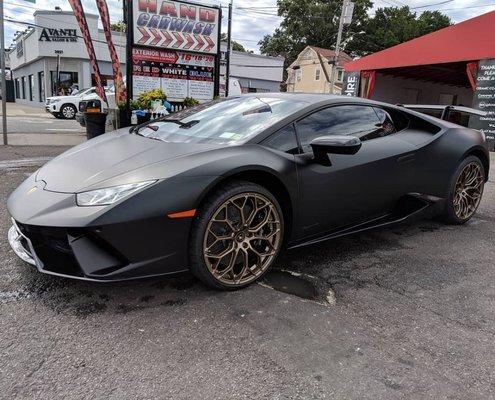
[68, 111]
[465, 193]
[236, 236]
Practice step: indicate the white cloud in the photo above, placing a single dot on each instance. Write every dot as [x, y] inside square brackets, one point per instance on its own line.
[248, 27]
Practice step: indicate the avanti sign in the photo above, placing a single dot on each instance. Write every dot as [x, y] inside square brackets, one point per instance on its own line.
[58, 35]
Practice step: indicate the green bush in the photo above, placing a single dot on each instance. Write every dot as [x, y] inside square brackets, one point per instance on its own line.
[190, 102]
[145, 99]
[133, 103]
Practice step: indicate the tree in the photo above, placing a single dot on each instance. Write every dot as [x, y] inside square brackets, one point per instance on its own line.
[236, 46]
[315, 23]
[392, 25]
[118, 26]
[311, 22]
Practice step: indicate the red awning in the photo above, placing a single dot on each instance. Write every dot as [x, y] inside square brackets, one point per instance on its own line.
[470, 40]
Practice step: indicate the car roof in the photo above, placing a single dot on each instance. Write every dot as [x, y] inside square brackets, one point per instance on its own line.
[312, 98]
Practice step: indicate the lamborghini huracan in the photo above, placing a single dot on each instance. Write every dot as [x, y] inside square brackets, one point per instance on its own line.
[220, 189]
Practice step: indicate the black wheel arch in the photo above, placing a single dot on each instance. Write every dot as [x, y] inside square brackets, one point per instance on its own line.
[266, 179]
[481, 153]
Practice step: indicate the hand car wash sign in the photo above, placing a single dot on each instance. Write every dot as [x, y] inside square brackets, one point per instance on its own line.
[175, 48]
[176, 25]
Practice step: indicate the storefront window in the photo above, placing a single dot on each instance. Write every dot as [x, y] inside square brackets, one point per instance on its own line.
[41, 86]
[31, 87]
[17, 89]
[64, 86]
[23, 85]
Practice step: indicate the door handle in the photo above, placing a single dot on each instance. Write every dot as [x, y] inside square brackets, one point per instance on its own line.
[405, 159]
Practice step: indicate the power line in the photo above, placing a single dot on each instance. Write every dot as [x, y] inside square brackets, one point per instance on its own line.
[455, 8]
[432, 5]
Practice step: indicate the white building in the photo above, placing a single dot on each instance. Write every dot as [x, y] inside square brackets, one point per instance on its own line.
[255, 73]
[56, 40]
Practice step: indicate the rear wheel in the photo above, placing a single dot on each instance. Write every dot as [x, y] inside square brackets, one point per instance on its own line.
[236, 236]
[466, 189]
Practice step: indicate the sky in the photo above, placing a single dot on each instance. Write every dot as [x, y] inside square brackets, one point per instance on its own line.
[249, 25]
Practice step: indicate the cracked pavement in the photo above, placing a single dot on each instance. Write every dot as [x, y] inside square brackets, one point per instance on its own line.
[412, 316]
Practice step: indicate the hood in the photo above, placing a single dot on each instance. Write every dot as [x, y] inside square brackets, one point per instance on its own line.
[112, 159]
[93, 96]
[75, 96]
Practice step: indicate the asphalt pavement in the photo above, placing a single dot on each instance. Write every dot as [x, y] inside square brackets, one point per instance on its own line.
[400, 313]
[42, 124]
[33, 126]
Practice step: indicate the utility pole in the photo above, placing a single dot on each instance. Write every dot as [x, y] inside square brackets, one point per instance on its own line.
[345, 19]
[229, 50]
[3, 80]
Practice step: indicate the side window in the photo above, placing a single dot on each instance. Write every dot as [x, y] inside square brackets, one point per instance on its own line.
[458, 117]
[387, 125]
[360, 121]
[283, 140]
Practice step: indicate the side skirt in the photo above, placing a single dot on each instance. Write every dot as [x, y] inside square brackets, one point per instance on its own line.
[410, 207]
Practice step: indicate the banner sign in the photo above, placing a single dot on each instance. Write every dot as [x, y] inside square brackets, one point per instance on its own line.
[179, 74]
[176, 25]
[484, 100]
[120, 95]
[83, 25]
[350, 86]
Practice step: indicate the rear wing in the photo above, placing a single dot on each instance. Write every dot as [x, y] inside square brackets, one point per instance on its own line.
[445, 110]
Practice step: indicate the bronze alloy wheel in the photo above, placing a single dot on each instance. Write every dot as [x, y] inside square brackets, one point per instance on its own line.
[242, 238]
[468, 190]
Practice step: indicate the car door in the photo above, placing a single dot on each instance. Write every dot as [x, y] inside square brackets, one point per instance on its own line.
[354, 188]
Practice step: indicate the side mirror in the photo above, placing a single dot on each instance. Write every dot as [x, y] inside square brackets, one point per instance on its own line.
[336, 144]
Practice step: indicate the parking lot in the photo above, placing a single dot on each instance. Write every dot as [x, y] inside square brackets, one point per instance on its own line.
[407, 312]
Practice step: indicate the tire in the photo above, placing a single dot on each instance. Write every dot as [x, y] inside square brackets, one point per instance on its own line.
[68, 111]
[249, 245]
[465, 191]
[57, 115]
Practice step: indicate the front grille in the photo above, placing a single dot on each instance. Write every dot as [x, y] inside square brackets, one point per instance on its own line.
[52, 247]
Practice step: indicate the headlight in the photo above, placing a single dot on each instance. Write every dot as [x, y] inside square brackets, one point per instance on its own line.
[104, 197]
[54, 101]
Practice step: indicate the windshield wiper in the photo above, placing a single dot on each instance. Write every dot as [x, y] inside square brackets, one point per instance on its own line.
[184, 125]
[137, 128]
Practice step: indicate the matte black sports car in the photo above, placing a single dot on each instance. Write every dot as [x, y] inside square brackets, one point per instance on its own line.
[219, 189]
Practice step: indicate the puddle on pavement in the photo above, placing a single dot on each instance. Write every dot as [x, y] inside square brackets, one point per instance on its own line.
[304, 286]
[14, 295]
[23, 162]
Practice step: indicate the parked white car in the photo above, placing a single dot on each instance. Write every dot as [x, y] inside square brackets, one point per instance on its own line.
[66, 106]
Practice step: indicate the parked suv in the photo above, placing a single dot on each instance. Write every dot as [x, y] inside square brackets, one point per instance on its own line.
[66, 106]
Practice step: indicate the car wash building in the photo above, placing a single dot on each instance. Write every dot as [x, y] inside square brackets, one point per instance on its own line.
[452, 66]
[50, 58]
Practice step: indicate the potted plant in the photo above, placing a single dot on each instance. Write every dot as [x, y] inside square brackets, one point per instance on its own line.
[190, 102]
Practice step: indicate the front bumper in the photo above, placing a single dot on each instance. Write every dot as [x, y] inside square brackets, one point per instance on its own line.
[21, 244]
[85, 254]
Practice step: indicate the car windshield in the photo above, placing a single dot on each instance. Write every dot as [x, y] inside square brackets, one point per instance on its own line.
[226, 121]
[81, 92]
